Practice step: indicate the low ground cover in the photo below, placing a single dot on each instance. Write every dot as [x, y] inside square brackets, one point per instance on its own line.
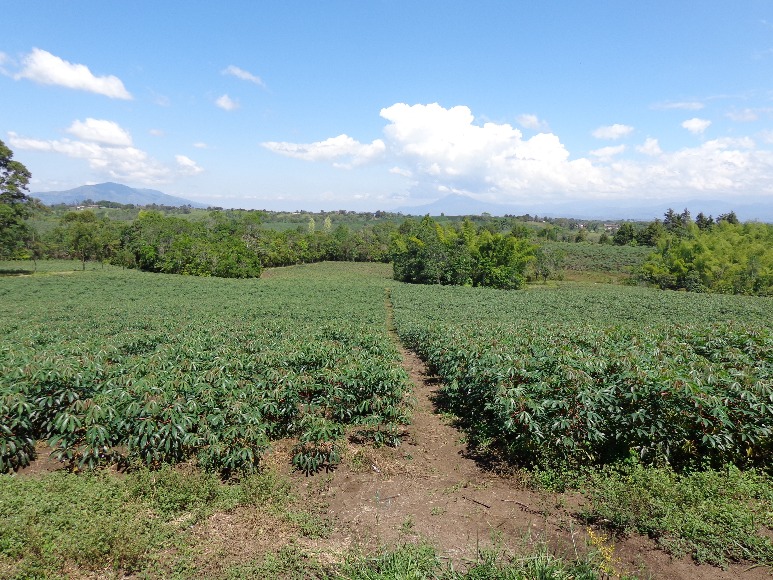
[125, 367]
[569, 378]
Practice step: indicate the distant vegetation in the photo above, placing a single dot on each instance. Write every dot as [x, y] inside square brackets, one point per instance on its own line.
[703, 255]
[426, 252]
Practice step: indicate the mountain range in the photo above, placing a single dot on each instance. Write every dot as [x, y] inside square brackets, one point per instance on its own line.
[113, 192]
[457, 204]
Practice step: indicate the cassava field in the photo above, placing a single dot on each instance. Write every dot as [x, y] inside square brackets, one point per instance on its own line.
[174, 426]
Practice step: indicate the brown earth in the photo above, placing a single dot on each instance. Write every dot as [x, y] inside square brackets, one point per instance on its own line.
[430, 488]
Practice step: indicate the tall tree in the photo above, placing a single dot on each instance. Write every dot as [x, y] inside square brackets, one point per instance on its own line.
[15, 205]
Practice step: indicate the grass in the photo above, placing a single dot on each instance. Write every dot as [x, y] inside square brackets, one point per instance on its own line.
[714, 516]
[17, 267]
[101, 523]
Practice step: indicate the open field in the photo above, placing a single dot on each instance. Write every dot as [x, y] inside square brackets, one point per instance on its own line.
[245, 385]
[130, 367]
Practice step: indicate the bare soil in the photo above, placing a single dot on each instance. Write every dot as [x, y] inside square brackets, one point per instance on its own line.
[431, 488]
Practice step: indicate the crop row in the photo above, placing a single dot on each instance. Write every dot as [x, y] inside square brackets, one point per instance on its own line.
[561, 388]
[180, 368]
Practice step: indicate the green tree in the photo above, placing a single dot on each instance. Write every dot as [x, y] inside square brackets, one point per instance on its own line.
[83, 235]
[15, 205]
[548, 261]
[625, 235]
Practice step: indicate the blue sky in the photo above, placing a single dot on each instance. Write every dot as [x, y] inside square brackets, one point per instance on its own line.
[381, 104]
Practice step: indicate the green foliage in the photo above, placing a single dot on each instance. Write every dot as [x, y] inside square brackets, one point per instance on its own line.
[598, 257]
[177, 246]
[728, 258]
[585, 377]
[548, 261]
[15, 206]
[426, 252]
[151, 370]
[101, 524]
[422, 561]
[714, 516]
[61, 520]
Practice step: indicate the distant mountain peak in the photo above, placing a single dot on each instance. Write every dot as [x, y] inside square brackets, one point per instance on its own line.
[111, 191]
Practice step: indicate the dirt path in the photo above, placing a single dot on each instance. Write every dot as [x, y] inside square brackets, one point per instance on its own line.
[430, 488]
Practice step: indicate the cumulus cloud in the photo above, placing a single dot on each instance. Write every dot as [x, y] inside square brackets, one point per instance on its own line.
[650, 147]
[187, 166]
[441, 150]
[242, 74]
[612, 132]
[108, 150]
[528, 121]
[227, 103]
[120, 163]
[445, 148]
[101, 131]
[343, 151]
[696, 126]
[45, 68]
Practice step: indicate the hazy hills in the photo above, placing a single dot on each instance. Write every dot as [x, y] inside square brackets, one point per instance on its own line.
[113, 192]
[463, 205]
[454, 204]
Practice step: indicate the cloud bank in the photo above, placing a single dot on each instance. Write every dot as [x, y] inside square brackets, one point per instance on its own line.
[441, 150]
[109, 151]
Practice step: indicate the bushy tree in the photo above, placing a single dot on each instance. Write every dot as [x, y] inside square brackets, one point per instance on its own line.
[15, 205]
[425, 252]
[728, 258]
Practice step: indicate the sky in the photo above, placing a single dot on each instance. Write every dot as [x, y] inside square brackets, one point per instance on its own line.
[383, 104]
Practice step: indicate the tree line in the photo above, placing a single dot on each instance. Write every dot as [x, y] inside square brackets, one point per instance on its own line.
[702, 254]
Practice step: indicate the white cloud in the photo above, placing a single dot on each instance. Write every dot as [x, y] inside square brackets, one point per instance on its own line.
[43, 67]
[528, 121]
[444, 147]
[242, 74]
[187, 166]
[696, 126]
[681, 105]
[157, 132]
[440, 150]
[101, 131]
[200, 145]
[342, 151]
[227, 103]
[607, 153]
[650, 147]
[612, 132]
[108, 151]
